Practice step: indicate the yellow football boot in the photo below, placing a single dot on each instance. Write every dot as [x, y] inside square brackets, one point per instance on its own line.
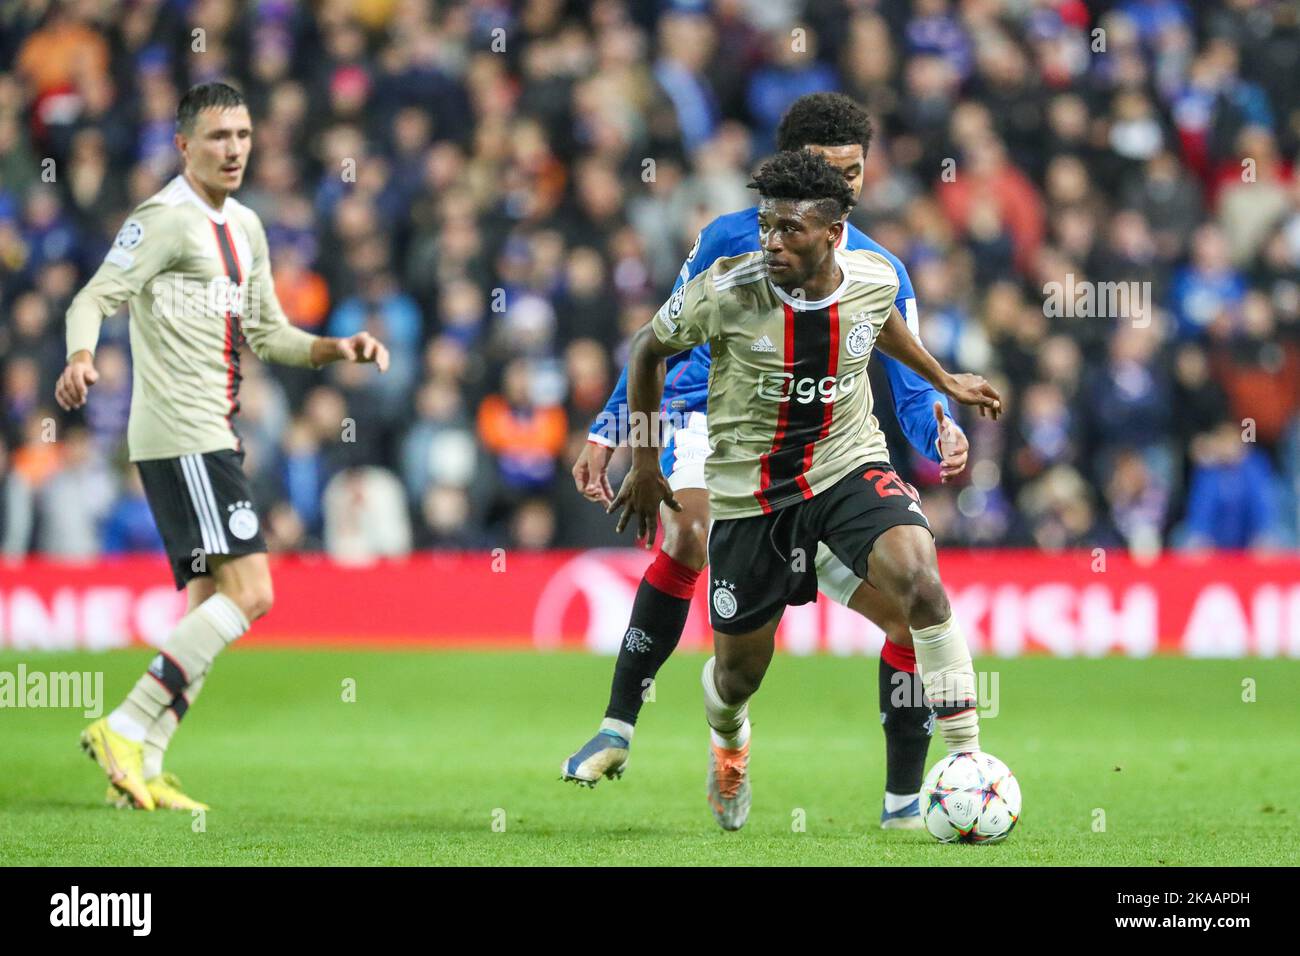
[167, 795]
[166, 792]
[120, 759]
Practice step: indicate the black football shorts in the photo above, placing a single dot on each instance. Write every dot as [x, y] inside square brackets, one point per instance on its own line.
[203, 506]
[761, 564]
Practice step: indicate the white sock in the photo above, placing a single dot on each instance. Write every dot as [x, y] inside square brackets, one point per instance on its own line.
[161, 731]
[896, 801]
[620, 727]
[731, 741]
[127, 726]
[948, 675]
[188, 653]
[155, 743]
[730, 722]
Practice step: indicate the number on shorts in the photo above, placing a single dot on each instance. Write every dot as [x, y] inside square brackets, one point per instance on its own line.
[884, 479]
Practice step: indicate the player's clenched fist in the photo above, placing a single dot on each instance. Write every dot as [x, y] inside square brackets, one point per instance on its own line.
[644, 489]
[591, 473]
[74, 384]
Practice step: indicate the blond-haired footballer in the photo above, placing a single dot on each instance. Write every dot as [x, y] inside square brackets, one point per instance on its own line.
[192, 264]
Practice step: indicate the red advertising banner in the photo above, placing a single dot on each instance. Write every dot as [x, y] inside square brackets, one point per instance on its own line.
[1009, 602]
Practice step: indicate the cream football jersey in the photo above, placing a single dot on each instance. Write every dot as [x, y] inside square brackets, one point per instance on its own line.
[197, 282]
[789, 407]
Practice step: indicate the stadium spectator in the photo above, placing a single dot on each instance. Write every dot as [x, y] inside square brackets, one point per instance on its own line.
[1138, 503]
[1129, 407]
[1254, 194]
[365, 516]
[1208, 289]
[791, 71]
[107, 417]
[303, 293]
[934, 30]
[686, 42]
[990, 195]
[525, 437]
[448, 520]
[129, 526]
[439, 449]
[1260, 372]
[67, 500]
[1169, 200]
[532, 527]
[1060, 512]
[1232, 501]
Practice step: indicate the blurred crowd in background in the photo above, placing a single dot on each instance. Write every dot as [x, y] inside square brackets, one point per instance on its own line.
[504, 192]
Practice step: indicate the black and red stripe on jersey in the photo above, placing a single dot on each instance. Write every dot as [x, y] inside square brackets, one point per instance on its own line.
[812, 351]
[234, 334]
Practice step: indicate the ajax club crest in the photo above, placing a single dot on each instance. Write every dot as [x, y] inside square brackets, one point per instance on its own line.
[724, 602]
[242, 520]
[860, 338]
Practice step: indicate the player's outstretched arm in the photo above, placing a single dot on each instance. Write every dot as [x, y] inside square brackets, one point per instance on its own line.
[361, 348]
[897, 341]
[273, 338]
[923, 417]
[73, 385]
[645, 486]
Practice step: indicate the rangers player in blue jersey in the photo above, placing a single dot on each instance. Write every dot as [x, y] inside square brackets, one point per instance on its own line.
[836, 127]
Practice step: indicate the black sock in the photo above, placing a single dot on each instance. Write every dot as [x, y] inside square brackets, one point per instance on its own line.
[663, 600]
[908, 724]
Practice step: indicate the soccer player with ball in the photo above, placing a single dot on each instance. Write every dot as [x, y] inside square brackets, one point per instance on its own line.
[797, 458]
[838, 129]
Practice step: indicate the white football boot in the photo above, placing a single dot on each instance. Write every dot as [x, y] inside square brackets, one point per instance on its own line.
[604, 755]
[729, 790]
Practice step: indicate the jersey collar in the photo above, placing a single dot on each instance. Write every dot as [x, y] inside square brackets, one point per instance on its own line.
[217, 216]
[803, 305]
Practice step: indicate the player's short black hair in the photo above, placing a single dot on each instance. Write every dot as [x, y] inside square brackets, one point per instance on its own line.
[205, 96]
[799, 174]
[824, 119]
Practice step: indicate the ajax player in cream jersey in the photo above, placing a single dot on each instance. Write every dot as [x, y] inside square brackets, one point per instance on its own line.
[192, 266]
[798, 459]
[839, 130]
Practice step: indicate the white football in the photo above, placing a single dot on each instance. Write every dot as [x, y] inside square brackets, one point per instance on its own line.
[970, 798]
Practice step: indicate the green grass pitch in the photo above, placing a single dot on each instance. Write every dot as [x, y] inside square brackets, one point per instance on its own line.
[453, 758]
